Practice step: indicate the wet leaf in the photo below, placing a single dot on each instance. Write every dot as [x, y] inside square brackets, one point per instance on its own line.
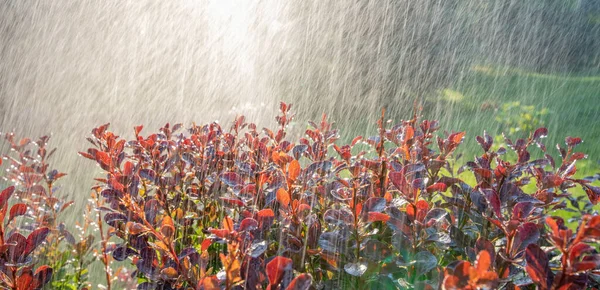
[527, 233]
[276, 267]
[283, 197]
[356, 269]
[5, 195]
[42, 276]
[248, 224]
[120, 253]
[265, 218]
[227, 224]
[302, 282]
[167, 228]
[425, 261]
[148, 174]
[339, 217]
[232, 201]
[231, 179]
[18, 209]
[573, 141]
[457, 137]
[538, 267]
[593, 193]
[377, 217]
[257, 249]
[540, 133]
[294, 170]
[36, 238]
[436, 215]
[25, 280]
[374, 204]
[376, 251]
[136, 228]
[112, 218]
[436, 187]
[169, 273]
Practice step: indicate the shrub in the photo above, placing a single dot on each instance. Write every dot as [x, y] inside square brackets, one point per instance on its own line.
[245, 208]
[39, 238]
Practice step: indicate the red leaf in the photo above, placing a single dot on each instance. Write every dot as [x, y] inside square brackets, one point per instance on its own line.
[409, 133]
[138, 129]
[248, 224]
[593, 193]
[227, 223]
[540, 133]
[397, 178]
[494, 201]
[232, 179]
[35, 238]
[205, 244]
[42, 276]
[276, 268]
[552, 180]
[584, 266]
[128, 168]
[5, 195]
[232, 201]
[378, 217]
[457, 137]
[484, 173]
[104, 159]
[578, 250]
[294, 169]
[18, 209]
[484, 261]
[266, 213]
[485, 245]
[283, 197]
[355, 140]
[66, 205]
[169, 273]
[302, 282]
[573, 141]
[167, 228]
[25, 280]
[87, 155]
[220, 233]
[457, 277]
[136, 228]
[265, 217]
[527, 233]
[436, 187]
[537, 266]
[249, 189]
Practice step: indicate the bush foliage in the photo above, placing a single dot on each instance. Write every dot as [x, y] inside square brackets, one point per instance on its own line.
[243, 208]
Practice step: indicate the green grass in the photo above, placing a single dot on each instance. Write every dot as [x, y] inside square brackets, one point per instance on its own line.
[573, 104]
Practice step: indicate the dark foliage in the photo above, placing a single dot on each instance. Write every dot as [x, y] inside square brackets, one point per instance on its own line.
[246, 208]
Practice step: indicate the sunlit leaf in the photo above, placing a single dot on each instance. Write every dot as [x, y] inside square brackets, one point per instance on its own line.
[276, 267]
[283, 197]
[302, 282]
[294, 170]
[538, 267]
[17, 210]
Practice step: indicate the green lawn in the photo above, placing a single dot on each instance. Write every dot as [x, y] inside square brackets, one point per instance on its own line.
[572, 103]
